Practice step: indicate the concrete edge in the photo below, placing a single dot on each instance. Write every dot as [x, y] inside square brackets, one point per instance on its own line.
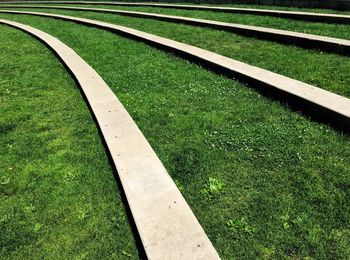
[166, 224]
[306, 16]
[304, 40]
[321, 104]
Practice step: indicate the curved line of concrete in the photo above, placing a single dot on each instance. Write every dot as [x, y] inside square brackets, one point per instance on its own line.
[306, 16]
[166, 224]
[319, 103]
[310, 41]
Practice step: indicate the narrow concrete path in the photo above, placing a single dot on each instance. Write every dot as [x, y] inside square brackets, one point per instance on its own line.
[318, 103]
[167, 226]
[310, 41]
[306, 16]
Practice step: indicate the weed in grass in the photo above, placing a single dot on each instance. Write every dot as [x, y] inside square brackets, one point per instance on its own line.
[285, 221]
[38, 227]
[84, 212]
[29, 209]
[5, 180]
[213, 187]
[239, 227]
[126, 254]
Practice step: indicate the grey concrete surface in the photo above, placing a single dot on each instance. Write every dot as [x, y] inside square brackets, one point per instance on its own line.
[166, 224]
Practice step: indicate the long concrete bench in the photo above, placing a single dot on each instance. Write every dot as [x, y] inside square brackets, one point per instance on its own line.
[306, 16]
[166, 224]
[321, 104]
[310, 41]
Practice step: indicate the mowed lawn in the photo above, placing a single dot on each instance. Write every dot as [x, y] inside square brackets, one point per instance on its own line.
[327, 71]
[264, 182]
[326, 29]
[58, 195]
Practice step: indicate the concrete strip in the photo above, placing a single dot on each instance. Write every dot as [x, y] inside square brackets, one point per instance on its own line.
[306, 16]
[319, 103]
[310, 41]
[167, 226]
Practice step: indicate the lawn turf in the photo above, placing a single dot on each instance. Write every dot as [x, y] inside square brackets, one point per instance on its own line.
[263, 181]
[326, 29]
[327, 71]
[268, 7]
[58, 195]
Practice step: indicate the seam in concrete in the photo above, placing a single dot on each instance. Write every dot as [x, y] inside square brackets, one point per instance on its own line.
[319, 103]
[324, 43]
[306, 16]
[166, 224]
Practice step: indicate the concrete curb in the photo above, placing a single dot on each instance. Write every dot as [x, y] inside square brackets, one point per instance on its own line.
[321, 104]
[310, 41]
[167, 226]
[306, 16]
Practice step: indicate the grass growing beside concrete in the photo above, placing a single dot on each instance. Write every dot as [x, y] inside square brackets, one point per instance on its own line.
[58, 196]
[328, 71]
[262, 180]
[285, 8]
[326, 29]
[269, 7]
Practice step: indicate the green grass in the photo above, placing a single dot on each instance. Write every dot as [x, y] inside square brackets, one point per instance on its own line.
[271, 7]
[263, 181]
[276, 7]
[327, 71]
[326, 29]
[286, 8]
[58, 196]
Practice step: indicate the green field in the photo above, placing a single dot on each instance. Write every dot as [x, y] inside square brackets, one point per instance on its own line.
[264, 181]
[58, 196]
[328, 71]
[326, 29]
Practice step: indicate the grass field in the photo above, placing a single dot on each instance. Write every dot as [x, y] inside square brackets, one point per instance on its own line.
[327, 71]
[270, 7]
[262, 180]
[326, 29]
[58, 196]
[286, 8]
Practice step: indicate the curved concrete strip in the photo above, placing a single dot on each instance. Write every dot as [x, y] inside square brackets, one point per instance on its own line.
[306, 16]
[319, 103]
[167, 226]
[310, 41]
